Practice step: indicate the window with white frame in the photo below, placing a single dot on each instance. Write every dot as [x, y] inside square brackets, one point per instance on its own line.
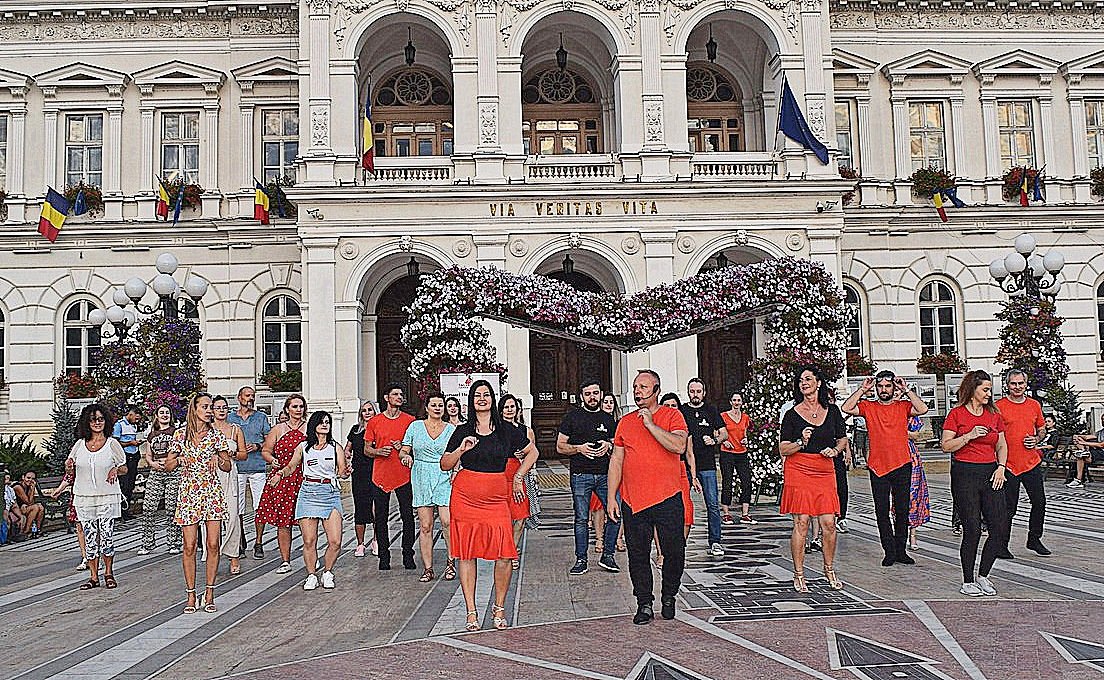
[279, 143]
[1100, 317]
[84, 148]
[1017, 134]
[938, 329]
[927, 135]
[180, 145]
[81, 340]
[3, 151]
[854, 327]
[281, 335]
[845, 138]
[1094, 130]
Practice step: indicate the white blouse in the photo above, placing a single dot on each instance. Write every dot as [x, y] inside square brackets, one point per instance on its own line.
[93, 496]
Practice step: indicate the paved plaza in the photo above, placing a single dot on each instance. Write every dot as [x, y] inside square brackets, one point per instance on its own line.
[738, 615]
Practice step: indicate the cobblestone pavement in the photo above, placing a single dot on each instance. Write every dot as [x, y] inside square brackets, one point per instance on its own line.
[738, 615]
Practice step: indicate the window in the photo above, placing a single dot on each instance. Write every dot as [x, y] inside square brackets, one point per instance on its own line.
[3, 152]
[560, 114]
[283, 347]
[412, 115]
[1017, 136]
[279, 144]
[714, 109]
[180, 146]
[190, 311]
[854, 328]
[81, 338]
[927, 137]
[1100, 316]
[84, 149]
[1094, 128]
[2, 357]
[844, 135]
[937, 318]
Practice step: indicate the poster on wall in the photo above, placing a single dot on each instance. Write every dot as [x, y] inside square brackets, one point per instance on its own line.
[459, 384]
[922, 385]
[953, 380]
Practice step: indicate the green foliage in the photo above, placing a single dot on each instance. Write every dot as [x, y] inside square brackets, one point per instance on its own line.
[282, 381]
[62, 438]
[18, 454]
[942, 363]
[1066, 402]
[1031, 341]
[1096, 182]
[927, 181]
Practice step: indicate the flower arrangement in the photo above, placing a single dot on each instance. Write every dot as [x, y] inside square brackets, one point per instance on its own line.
[76, 386]
[192, 193]
[941, 363]
[277, 200]
[1014, 179]
[857, 364]
[926, 182]
[804, 324]
[93, 197]
[282, 381]
[1096, 182]
[3, 205]
[1031, 341]
[847, 172]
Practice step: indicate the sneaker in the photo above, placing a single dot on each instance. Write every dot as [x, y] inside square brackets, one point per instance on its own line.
[174, 551]
[606, 563]
[375, 548]
[83, 566]
[143, 551]
[644, 615]
[889, 560]
[311, 583]
[727, 519]
[841, 526]
[1005, 555]
[668, 608]
[359, 551]
[579, 568]
[986, 586]
[957, 530]
[327, 580]
[1075, 484]
[284, 568]
[258, 552]
[815, 545]
[971, 589]
[1038, 547]
[716, 550]
[905, 559]
[748, 519]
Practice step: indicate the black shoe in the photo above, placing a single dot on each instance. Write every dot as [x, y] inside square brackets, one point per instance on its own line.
[1005, 555]
[903, 558]
[644, 614]
[668, 610]
[408, 563]
[816, 545]
[579, 568]
[385, 565]
[609, 564]
[258, 552]
[889, 560]
[1038, 547]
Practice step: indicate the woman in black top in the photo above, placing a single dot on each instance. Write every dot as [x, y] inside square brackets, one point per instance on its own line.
[362, 479]
[480, 527]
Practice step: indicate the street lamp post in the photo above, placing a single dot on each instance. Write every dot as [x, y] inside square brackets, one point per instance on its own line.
[163, 284]
[1027, 273]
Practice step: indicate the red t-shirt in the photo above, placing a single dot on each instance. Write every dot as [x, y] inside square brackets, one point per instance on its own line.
[1021, 420]
[887, 428]
[736, 433]
[388, 472]
[650, 474]
[983, 449]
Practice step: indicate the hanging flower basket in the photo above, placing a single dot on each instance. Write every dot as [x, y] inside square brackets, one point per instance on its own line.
[857, 364]
[192, 193]
[1013, 182]
[93, 197]
[847, 172]
[926, 182]
[941, 363]
[1096, 182]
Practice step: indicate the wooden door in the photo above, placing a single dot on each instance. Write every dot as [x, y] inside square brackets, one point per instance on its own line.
[557, 367]
[723, 359]
[392, 358]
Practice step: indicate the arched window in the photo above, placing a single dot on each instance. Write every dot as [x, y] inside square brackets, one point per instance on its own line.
[560, 114]
[412, 115]
[854, 326]
[938, 313]
[1100, 316]
[715, 110]
[282, 335]
[81, 340]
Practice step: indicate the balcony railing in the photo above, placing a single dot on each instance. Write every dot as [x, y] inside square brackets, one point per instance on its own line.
[411, 170]
[572, 168]
[738, 165]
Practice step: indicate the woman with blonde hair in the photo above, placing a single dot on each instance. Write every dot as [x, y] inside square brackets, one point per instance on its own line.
[277, 506]
[363, 487]
[232, 528]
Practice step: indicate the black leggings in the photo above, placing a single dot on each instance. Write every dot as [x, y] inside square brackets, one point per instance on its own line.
[364, 494]
[975, 498]
[841, 485]
[739, 464]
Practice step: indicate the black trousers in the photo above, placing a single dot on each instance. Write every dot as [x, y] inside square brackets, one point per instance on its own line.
[892, 531]
[126, 482]
[382, 511]
[841, 485]
[733, 465]
[664, 519]
[1032, 482]
[975, 498]
[365, 493]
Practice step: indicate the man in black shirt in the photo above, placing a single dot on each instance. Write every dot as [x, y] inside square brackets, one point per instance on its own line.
[586, 437]
[707, 430]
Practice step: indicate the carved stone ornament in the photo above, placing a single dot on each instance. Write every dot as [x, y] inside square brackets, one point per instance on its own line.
[349, 250]
[671, 17]
[319, 6]
[574, 239]
[653, 121]
[816, 116]
[997, 19]
[506, 24]
[406, 243]
[686, 244]
[320, 127]
[75, 29]
[629, 21]
[630, 245]
[795, 241]
[463, 25]
[518, 247]
[462, 248]
[343, 10]
[740, 238]
[488, 124]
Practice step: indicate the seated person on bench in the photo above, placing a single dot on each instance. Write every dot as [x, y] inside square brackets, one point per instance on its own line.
[26, 491]
[12, 516]
[1090, 451]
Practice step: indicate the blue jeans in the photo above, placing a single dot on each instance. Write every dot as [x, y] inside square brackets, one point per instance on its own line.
[708, 479]
[582, 485]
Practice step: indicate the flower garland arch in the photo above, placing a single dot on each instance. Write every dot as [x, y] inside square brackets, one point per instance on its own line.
[801, 305]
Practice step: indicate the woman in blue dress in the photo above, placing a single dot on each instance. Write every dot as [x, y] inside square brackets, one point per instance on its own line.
[422, 448]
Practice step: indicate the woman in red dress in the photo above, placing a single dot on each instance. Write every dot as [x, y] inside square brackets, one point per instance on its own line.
[481, 525]
[812, 434]
[277, 506]
[510, 408]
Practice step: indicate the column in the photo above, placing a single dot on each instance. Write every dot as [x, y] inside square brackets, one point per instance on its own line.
[862, 115]
[489, 161]
[651, 85]
[1080, 151]
[211, 199]
[816, 85]
[490, 251]
[319, 157]
[958, 133]
[991, 132]
[1046, 123]
[248, 160]
[902, 159]
[347, 109]
[113, 157]
[347, 316]
[145, 153]
[16, 136]
[659, 259]
[320, 323]
[369, 375]
[50, 137]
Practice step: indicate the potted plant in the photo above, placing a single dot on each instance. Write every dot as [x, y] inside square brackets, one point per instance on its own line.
[941, 363]
[278, 202]
[282, 381]
[926, 182]
[847, 172]
[1096, 182]
[1014, 179]
[93, 198]
[192, 193]
[857, 364]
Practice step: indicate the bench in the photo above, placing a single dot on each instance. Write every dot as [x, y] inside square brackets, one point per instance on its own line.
[55, 509]
[1062, 458]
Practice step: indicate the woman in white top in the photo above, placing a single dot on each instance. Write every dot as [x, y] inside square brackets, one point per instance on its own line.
[96, 462]
[323, 462]
[231, 527]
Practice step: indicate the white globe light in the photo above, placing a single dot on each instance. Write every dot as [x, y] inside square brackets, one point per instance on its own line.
[1015, 263]
[1052, 288]
[97, 317]
[120, 298]
[164, 285]
[1036, 264]
[1025, 243]
[131, 318]
[116, 314]
[167, 263]
[1054, 261]
[997, 269]
[195, 286]
[135, 288]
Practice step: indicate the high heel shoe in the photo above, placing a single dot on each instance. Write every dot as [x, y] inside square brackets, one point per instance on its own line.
[208, 605]
[833, 581]
[473, 621]
[498, 617]
[799, 582]
[191, 608]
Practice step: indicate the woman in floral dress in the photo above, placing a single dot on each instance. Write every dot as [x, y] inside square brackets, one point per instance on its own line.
[277, 506]
[919, 506]
[198, 450]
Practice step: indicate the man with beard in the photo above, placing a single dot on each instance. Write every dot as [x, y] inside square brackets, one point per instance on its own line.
[383, 435]
[707, 430]
[1026, 427]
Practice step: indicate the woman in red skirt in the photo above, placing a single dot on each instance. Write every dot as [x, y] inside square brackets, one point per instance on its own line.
[277, 506]
[480, 502]
[510, 408]
[812, 434]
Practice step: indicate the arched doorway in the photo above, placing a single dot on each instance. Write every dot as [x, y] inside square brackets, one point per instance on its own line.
[725, 354]
[557, 367]
[392, 358]
[715, 111]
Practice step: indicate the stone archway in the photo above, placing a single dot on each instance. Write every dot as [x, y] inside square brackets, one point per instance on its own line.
[392, 358]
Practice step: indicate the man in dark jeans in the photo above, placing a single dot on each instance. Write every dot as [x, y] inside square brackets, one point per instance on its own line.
[126, 433]
[586, 437]
[1025, 427]
[888, 460]
[707, 430]
[646, 467]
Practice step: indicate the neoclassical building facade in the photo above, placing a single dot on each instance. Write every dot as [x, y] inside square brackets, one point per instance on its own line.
[614, 144]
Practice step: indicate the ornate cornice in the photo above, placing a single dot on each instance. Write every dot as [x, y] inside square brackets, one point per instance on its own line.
[148, 24]
[911, 15]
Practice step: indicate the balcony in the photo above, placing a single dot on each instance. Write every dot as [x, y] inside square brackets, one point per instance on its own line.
[572, 168]
[411, 170]
[757, 165]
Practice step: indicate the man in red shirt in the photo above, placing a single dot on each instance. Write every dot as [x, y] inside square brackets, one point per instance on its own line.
[888, 458]
[383, 435]
[646, 468]
[1024, 429]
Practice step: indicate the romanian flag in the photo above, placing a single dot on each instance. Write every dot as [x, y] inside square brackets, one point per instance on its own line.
[162, 200]
[938, 200]
[260, 203]
[942, 196]
[1024, 198]
[54, 210]
[367, 161]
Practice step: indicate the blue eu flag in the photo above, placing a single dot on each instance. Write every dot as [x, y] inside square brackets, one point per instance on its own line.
[792, 124]
[80, 204]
